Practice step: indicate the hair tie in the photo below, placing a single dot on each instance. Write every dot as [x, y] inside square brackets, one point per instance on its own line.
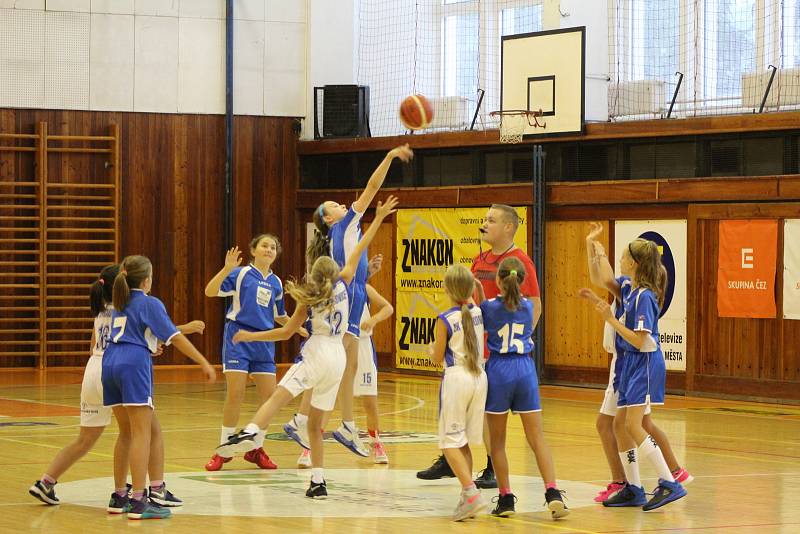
[630, 250]
[102, 282]
[512, 272]
[123, 272]
[462, 302]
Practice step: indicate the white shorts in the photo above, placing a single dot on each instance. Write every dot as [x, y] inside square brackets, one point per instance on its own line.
[321, 369]
[366, 382]
[609, 406]
[93, 413]
[463, 399]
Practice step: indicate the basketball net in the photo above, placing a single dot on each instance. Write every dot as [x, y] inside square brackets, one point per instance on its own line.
[514, 123]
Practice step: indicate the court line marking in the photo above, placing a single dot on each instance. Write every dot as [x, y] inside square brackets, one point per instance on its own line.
[542, 524]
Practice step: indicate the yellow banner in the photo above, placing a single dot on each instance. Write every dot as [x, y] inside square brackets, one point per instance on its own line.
[415, 323]
[430, 240]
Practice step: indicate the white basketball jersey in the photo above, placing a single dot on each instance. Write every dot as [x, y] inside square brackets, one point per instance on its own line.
[455, 353]
[324, 321]
[365, 315]
[102, 331]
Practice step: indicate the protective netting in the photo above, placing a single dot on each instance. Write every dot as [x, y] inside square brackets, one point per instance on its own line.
[725, 50]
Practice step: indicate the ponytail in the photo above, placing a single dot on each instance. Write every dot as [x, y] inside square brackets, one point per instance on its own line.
[320, 244]
[459, 284]
[470, 340]
[101, 290]
[511, 273]
[133, 271]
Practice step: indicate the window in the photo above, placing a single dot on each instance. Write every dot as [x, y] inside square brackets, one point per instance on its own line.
[791, 33]
[729, 49]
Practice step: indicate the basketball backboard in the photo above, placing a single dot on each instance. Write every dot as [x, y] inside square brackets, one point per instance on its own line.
[545, 70]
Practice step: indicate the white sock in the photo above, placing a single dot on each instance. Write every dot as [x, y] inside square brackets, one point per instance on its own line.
[350, 425]
[226, 432]
[302, 420]
[316, 475]
[260, 439]
[252, 428]
[631, 466]
[649, 449]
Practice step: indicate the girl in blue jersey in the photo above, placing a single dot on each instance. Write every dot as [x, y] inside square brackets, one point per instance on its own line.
[338, 233]
[642, 372]
[457, 345]
[139, 323]
[509, 320]
[323, 303]
[95, 417]
[256, 304]
[602, 274]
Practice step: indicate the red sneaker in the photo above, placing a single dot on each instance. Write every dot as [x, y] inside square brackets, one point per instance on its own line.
[260, 458]
[682, 475]
[216, 461]
[610, 490]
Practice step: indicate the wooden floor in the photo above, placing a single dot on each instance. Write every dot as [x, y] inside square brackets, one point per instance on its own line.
[745, 458]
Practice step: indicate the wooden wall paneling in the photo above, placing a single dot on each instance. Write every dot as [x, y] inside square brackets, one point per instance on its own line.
[612, 192]
[591, 212]
[481, 195]
[383, 282]
[728, 189]
[573, 330]
[789, 187]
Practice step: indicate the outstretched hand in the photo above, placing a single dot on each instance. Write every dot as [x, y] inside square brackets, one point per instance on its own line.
[402, 152]
[385, 209]
[233, 258]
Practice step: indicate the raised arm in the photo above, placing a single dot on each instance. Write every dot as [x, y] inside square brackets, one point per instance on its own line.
[381, 212]
[233, 258]
[379, 175]
[600, 271]
[383, 312]
[276, 334]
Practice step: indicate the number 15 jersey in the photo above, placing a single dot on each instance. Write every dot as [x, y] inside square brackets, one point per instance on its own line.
[509, 332]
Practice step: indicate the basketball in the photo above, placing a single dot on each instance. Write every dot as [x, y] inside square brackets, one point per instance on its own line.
[416, 112]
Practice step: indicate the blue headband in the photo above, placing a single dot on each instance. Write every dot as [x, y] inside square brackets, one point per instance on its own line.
[321, 210]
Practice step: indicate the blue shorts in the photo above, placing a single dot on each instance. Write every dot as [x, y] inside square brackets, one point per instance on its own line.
[642, 378]
[357, 292]
[513, 384]
[127, 375]
[256, 357]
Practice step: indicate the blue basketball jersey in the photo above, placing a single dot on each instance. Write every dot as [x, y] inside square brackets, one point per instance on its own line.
[455, 353]
[625, 287]
[344, 236]
[509, 331]
[257, 299]
[143, 322]
[641, 315]
[324, 321]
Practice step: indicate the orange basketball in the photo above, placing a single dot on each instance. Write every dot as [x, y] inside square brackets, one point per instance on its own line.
[416, 112]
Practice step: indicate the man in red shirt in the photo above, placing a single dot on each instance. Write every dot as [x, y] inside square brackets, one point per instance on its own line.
[498, 232]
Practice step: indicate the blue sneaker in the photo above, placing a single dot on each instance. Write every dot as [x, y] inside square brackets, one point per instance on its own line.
[147, 509]
[118, 505]
[627, 496]
[665, 493]
[164, 497]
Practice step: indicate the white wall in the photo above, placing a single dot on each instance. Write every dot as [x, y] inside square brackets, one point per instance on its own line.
[152, 55]
[332, 42]
[594, 15]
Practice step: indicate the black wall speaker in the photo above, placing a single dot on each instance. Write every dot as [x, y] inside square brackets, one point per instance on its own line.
[344, 111]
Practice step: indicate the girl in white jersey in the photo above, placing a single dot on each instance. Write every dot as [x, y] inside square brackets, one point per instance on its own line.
[95, 417]
[458, 344]
[323, 302]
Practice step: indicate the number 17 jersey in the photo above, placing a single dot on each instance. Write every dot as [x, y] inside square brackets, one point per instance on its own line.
[509, 332]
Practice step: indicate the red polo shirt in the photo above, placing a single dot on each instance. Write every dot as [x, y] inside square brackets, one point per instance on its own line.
[484, 267]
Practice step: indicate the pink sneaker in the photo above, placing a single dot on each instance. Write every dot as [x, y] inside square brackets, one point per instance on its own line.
[682, 475]
[380, 453]
[610, 490]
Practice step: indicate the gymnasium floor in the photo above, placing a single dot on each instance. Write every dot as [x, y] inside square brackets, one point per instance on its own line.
[745, 458]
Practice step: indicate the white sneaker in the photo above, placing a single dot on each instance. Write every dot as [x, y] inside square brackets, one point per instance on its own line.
[304, 460]
[380, 453]
[298, 432]
[468, 506]
[351, 440]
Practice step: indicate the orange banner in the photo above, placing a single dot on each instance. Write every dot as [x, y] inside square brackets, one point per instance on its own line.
[746, 272]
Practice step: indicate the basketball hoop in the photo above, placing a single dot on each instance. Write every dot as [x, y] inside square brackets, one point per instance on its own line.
[513, 123]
